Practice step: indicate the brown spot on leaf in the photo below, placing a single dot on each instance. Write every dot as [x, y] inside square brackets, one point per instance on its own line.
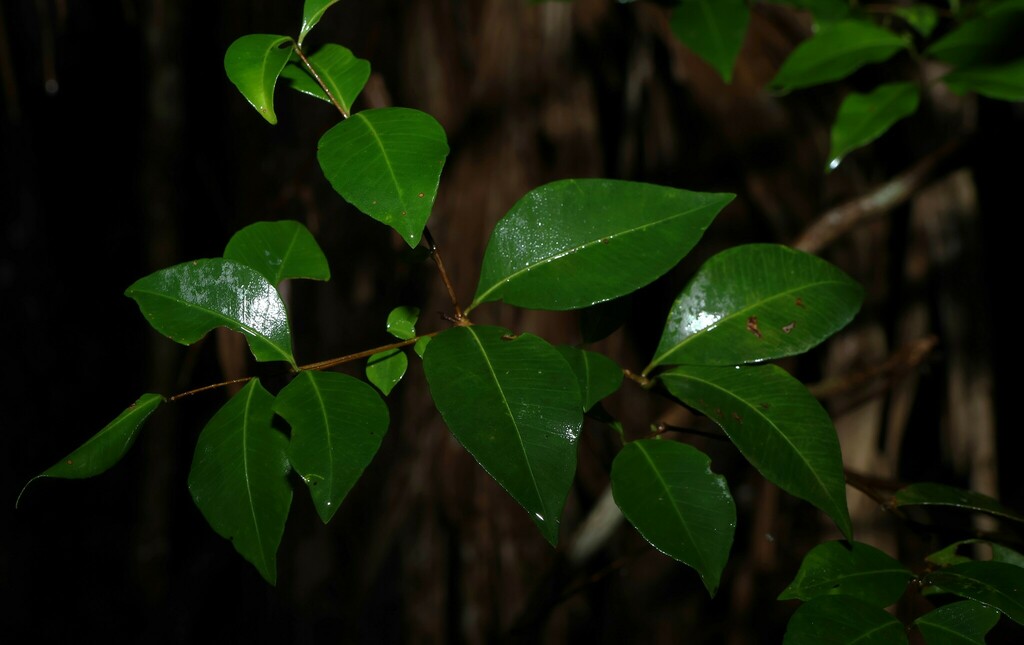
[752, 326]
[800, 303]
[421, 195]
[764, 406]
[403, 213]
[788, 328]
[509, 336]
[718, 412]
[739, 419]
[605, 241]
[69, 462]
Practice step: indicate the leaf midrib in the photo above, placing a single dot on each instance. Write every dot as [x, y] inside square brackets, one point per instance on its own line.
[245, 471]
[675, 507]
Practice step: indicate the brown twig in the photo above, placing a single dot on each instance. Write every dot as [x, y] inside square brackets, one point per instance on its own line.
[214, 386]
[460, 318]
[366, 353]
[904, 359]
[309, 67]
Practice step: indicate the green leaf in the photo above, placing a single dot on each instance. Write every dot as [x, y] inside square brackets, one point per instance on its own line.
[1001, 82]
[713, 29]
[312, 11]
[338, 68]
[837, 50]
[421, 346]
[667, 491]
[239, 477]
[402, 322]
[598, 375]
[599, 321]
[989, 39]
[387, 163]
[513, 402]
[279, 251]
[843, 620]
[998, 584]
[1005, 554]
[855, 569]
[105, 448]
[778, 426]
[756, 302]
[338, 423]
[942, 495]
[950, 555]
[922, 17]
[576, 242]
[863, 118]
[253, 64]
[960, 623]
[385, 369]
[186, 301]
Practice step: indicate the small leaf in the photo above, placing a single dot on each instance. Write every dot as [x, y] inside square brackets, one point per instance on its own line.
[855, 569]
[667, 491]
[1001, 82]
[513, 402]
[338, 69]
[960, 623]
[942, 495]
[402, 322]
[421, 346]
[843, 620]
[837, 50]
[385, 369]
[1005, 554]
[186, 301]
[950, 555]
[279, 251]
[863, 118]
[922, 17]
[253, 64]
[387, 163]
[998, 584]
[713, 29]
[778, 426]
[338, 423]
[599, 376]
[105, 448]
[312, 11]
[576, 242]
[989, 39]
[239, 477]
[756, 302]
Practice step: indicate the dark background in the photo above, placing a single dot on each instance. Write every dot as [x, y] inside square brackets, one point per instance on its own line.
[125, 149]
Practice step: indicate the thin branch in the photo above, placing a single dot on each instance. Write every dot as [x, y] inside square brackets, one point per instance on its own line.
[182, 395]
[841, 219]
[903, 360]
[316, 77]
[460, 318]
[644, 382]
[322, 365]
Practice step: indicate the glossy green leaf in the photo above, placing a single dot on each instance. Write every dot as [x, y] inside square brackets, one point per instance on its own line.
[942, 495]
[387, 163]
[989, 39]
[1005, 554]
[837, 50]
[756, 302]
[186, 301]
[922, 17]
[863, 118]
[279, 251]
[576, 242]
[960, 623]
[843, 620]
[950, 555]
[106, 447]
[385, 369]
[239, 477]
[514, 403]
[421, 346]
[667, 491]
[598, 375]
[778, 426]
[402, 322]
[338, 423]
[253, 64]
[1002, 82]
[850, 569]
[997, 584]
[599, 321]
[312, 11]
[339, 69]
[713, 29]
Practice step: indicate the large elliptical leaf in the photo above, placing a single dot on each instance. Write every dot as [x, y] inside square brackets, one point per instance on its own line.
[997, 584]
[106, 447]
[756, 302]
[338, 423]
[312, 12]
[186, 301]
[239, 477]
[598, 375]
[514, 403]
[843, 620]
[992, 38]
[959, 623]
[854, 569]
[387, 163]
[713, 29]
[279, 251]
[253, 64]
[931, 494]
[863, 118]
[778, 426]
[667, 491]
[576, 242]
[1002, 82]
[338, 69]
[837, 50]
